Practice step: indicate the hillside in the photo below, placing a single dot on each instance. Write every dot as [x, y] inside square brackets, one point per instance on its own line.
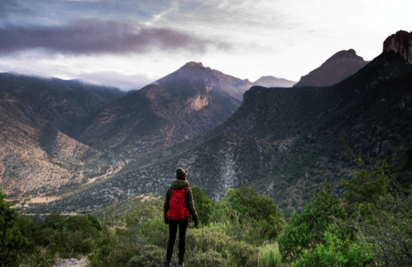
[185, 104]
[60, 104]
[35, 158]
[335, 69]
[285, 140]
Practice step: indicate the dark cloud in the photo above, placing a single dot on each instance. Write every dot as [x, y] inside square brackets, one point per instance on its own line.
[8, 7]
[94, 37]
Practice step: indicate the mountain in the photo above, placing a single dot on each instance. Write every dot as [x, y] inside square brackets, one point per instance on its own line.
[176, 108]
[285, 141]
[270, 81]
[61, 104]
[35, 158]
[337, 68]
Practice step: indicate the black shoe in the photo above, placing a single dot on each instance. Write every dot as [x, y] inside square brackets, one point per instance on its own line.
[167, 264]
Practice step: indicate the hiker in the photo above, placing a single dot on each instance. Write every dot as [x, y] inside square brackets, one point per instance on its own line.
[177, 212]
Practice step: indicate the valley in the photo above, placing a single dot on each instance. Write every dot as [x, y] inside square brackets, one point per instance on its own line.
[284, 141]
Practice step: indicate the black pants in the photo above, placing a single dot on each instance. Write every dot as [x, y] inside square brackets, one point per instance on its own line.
[172, 237]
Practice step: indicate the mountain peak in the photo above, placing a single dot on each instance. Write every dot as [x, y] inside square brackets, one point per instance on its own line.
[335, 69]
[345, 54]
[194, 64]
[401, 43]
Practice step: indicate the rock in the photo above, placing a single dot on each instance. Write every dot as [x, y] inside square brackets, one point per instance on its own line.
[377, 148]
[385, 148]
[401, 43]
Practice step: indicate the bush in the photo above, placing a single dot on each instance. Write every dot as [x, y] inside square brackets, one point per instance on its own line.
[307, 229]
[94, 221]
[13, 244]
[204, 206]
[229, 220]
[145, 225]
[112, 250]
[269, 255]
[206, 259]
[150, 256]
[389, 230]
[366, 187]
[78, 223]
[53, 221]
[334, 252]
[259, 210]
[71, 244]
[214, 238]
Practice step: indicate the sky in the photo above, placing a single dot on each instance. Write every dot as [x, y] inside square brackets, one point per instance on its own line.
[129, 44]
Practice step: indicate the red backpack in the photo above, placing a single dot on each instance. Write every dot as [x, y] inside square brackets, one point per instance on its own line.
[177, 207]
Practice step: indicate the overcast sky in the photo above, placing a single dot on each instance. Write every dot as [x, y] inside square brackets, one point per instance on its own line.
[129, 44]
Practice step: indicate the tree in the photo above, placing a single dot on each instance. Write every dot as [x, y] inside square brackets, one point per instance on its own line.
[204, 206]
[13, 244]
[259, 208]
[306, 230]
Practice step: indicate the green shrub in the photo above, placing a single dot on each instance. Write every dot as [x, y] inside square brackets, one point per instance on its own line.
[388, 231]
[204, 206]
[41, 257]
[242, 254]
[334, 252]
[269, 255]
[208, 238]
[145, 225]
[13, 244]
[250, 208]
[366, 187]
[150, 256]
[306, 230]
[214, 238]
[112, 250]
[78, 223]
[229, 220]
[206, 259]
[95, 222]
[72, 243]
[53, 221]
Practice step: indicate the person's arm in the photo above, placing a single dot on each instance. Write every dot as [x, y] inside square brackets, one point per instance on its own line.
[166, 203]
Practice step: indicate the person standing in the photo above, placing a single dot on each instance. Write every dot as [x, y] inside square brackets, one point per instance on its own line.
[177, 208]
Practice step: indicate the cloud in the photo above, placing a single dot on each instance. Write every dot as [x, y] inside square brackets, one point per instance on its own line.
[124, 82]
[8, 7]
[97, 37]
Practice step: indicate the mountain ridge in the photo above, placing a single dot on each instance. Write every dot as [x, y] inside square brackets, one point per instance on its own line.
[270, 81]
[338, 67]
[285, 141]
[175, 108]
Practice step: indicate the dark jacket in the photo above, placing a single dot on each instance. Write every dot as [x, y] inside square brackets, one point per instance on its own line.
[189, 202]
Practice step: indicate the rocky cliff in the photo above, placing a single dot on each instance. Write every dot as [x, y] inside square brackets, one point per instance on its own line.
[401, 43]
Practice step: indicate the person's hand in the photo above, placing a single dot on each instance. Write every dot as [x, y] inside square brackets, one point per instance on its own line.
[166, 221]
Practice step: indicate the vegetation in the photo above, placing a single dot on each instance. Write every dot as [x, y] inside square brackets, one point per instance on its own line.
[369, 224]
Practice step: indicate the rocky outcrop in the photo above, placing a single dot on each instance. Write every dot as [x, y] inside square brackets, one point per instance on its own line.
[401, 43]
[337, 68]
